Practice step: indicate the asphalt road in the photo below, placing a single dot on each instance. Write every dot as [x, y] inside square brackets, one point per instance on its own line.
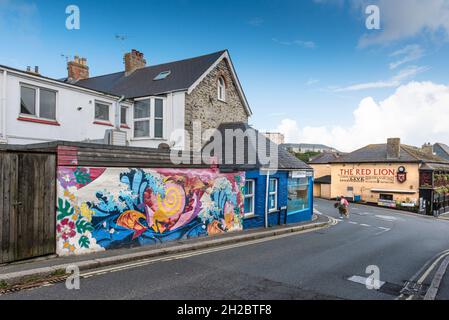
[314, 265]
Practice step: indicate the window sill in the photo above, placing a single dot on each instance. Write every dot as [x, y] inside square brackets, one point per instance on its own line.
[125, 126]
[40, 121]
[249, 216]
[101, 123]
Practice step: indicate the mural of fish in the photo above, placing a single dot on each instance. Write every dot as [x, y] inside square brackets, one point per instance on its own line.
[130, 220]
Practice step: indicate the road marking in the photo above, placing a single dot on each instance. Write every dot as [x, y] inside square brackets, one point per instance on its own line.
[384, 230]
[388, 218]
[352, 222]
[364, 281]
[365, 225]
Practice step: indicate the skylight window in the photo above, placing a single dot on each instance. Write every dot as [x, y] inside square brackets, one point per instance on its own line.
[162, 75]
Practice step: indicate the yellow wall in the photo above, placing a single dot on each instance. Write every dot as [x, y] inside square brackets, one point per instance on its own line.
[365, 177]
[321, 170]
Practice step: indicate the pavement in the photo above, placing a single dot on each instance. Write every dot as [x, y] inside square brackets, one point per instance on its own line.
[402, 252]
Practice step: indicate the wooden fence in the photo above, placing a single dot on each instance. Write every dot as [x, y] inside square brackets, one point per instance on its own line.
[27, 205]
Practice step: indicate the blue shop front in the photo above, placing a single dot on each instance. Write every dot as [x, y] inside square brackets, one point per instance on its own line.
[271, 197]
[288, 198]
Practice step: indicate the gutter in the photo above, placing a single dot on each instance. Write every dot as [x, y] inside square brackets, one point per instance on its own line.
[118, 112]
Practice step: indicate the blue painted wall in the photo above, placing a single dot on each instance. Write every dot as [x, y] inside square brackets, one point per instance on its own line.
[258, 221]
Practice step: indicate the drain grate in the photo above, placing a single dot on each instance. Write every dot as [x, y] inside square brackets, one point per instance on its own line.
[414, 289]
[34, 285]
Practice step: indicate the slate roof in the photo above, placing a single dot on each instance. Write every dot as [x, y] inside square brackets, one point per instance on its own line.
[141, 82]
[286, 160]
[378, 153]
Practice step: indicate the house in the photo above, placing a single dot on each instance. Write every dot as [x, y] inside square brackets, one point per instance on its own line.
[439, 149]
[273, 195]
[308, 147]
[393, 175]
[321, 165]
[148, 105]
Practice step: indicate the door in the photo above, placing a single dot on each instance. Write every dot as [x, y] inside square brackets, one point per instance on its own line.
[28, 215]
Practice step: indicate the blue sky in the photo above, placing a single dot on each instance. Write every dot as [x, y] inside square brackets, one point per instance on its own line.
[306, 66]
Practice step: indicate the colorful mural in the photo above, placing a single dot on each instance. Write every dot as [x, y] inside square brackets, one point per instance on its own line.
[100, 209]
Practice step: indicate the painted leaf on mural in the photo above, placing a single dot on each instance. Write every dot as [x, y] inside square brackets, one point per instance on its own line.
[84, 242]
[83, 225]
[65, 209]
[82, 177]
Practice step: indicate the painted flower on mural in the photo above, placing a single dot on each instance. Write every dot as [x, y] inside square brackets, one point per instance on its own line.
[66, 178]
[69, 246]
[66, 229]
[86, 212]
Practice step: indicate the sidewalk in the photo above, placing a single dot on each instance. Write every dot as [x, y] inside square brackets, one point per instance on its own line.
[20, 272]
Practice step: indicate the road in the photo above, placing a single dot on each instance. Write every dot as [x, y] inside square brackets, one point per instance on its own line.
[313, 265]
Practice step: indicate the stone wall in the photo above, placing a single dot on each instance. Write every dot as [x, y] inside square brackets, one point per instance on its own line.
[203, 104]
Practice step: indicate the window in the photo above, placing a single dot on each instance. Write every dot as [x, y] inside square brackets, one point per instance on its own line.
[162, 75]
[273, 195]
[124, 115]
[250, 188]
[221, 89]
[102, 111]
[298, 195]
[158, 118]
[149, 118]
[38, 102]
[142, 114]
[386, 197]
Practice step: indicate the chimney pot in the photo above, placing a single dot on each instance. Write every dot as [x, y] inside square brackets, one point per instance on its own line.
[393, 148]
[134, 60]
[78, 69]
[36, 69]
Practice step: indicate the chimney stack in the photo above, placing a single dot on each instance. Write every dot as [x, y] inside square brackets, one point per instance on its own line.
[36, 70]
[393, 148]
[134, 60]
[78, 69]
[428, 149]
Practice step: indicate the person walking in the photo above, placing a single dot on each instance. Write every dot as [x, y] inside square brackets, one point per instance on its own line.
[343, 207]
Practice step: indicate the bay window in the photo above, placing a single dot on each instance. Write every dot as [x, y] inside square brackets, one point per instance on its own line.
[149, 118]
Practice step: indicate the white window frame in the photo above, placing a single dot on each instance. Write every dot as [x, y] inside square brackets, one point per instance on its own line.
[273, 193]
[252, 195]
[109, 105]
[126, 123]
[37, 102]
[221, 89]
[152, 119]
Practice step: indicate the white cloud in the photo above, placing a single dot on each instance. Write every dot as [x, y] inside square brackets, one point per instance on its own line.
[407, 54]
[403, 19]
[300, 43]
[417, 112]
[393, 82]
[312, 82]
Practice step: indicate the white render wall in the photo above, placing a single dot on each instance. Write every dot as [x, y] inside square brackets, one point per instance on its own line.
[75, 124]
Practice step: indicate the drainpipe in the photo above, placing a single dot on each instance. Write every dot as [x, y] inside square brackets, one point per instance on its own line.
[267, 192]
[118, 113]
[3, 107]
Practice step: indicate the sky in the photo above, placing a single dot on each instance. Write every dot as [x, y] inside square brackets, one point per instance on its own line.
[310, 69]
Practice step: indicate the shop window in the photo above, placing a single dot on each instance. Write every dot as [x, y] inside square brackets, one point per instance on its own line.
[250, 191]
[298, 195]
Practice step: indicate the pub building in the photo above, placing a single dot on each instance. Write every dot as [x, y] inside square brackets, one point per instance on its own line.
[393, 175]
